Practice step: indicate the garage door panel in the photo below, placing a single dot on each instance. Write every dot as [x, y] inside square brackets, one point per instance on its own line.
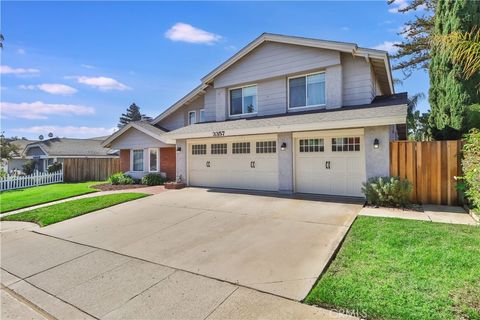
[241, 170]
[329, 172]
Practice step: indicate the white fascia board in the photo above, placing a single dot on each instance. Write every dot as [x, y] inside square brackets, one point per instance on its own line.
[117, 134]
[153, 135]
[342, 124]
[106, 143]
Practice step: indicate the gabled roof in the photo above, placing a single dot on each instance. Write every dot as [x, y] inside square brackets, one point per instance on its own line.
[68, 147]
[387, 110]
[142, 126]
[378, 58]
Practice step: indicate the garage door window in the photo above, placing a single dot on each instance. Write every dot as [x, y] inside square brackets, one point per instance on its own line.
[311, 145]
[346, 144]
[266, 146]
[219, 148]
[241, 147]
[199, 149]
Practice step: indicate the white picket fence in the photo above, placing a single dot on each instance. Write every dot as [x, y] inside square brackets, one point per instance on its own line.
[33, 180]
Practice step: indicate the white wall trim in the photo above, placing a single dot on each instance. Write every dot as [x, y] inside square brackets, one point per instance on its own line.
[158, 159]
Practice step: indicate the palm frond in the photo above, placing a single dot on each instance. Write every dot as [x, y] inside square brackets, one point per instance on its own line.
[463, 48]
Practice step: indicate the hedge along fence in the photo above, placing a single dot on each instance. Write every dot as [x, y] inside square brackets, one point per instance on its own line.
[91, 169]
[431, 166]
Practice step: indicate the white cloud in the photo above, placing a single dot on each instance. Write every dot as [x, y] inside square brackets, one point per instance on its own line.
[345, 28]
[21, 51]
[188, 33]
[102, 83]
[230, 48]
[67, 131]
[52, 88]
[41, 110]
[87, 66]
[9, 70]
[398, 5]
[388, 46]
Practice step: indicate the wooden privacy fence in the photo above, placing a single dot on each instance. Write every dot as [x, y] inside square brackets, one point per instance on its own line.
[82, 169]
[430, 166]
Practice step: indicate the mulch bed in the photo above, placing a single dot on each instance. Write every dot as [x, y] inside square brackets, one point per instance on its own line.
[113, 187]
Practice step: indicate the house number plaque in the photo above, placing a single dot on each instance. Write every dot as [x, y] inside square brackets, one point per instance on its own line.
[218, 133]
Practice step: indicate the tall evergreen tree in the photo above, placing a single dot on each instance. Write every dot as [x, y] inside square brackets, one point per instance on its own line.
[450, 93]
[132, 114]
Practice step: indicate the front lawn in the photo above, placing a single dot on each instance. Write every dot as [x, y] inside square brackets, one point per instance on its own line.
[404, 269]
[22, 198]
[70, 209]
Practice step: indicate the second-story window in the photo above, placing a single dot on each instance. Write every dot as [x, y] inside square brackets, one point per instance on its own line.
[202, 115]
[243, 100]
[192, 117]
[307, 91]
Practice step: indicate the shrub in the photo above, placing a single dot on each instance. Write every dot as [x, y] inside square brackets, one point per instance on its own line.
[54, 167]
[28, 167]
[153, 179]
[387, 191]
[121, 178]
[471, 167]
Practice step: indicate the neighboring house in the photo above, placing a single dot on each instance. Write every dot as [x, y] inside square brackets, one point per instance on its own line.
[46, 152]
[286, 114]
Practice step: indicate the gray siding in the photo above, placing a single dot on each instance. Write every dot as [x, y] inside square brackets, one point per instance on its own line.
[209, 101]
[272, 96]
[196, 105]
[271, 60]
[357, 81]
[174, 121]
[135, 139]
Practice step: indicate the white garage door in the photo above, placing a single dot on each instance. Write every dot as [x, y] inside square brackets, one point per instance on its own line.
[330, 163]
[242, 163]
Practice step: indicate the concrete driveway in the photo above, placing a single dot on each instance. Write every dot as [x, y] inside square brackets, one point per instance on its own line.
[216, 250]
[276, 245]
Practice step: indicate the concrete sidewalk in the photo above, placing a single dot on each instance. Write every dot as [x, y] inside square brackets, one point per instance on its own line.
[67, 280]
[147, 190]
[433, 213]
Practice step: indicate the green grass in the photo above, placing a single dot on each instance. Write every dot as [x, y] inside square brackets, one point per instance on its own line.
[404, 269]
[22, 198]
[59, 212]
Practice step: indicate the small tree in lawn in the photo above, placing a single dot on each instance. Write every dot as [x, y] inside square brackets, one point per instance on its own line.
[7, 148]
[132, 114]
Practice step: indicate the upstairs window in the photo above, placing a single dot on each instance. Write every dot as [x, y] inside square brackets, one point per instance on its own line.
[243, 100]
[202, 115]
[192, 117]
[307, 91]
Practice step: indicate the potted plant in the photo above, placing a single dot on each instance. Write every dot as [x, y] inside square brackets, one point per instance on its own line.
[177, 184]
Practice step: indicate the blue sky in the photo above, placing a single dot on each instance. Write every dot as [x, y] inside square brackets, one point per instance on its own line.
[72, 68]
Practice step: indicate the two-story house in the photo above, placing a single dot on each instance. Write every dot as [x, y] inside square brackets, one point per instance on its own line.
[286, 114]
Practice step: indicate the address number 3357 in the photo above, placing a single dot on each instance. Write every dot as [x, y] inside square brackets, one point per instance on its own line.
[218, 133]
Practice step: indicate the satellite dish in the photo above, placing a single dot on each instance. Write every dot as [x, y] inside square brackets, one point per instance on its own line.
[50, 135]
[40, 137]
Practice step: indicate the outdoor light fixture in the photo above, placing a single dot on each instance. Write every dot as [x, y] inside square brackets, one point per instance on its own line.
[376, 143]
[179, 149]
[283, 146]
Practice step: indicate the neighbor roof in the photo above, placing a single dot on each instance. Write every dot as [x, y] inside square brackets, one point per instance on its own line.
[68, 147]
[378, 58]
[142, 126]
[385, 111]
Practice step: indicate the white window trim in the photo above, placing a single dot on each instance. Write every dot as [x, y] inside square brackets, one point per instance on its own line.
[194, 118]
[158, 159]
[306, 91]
[131, 160]
[230, 115]
[200, 115]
